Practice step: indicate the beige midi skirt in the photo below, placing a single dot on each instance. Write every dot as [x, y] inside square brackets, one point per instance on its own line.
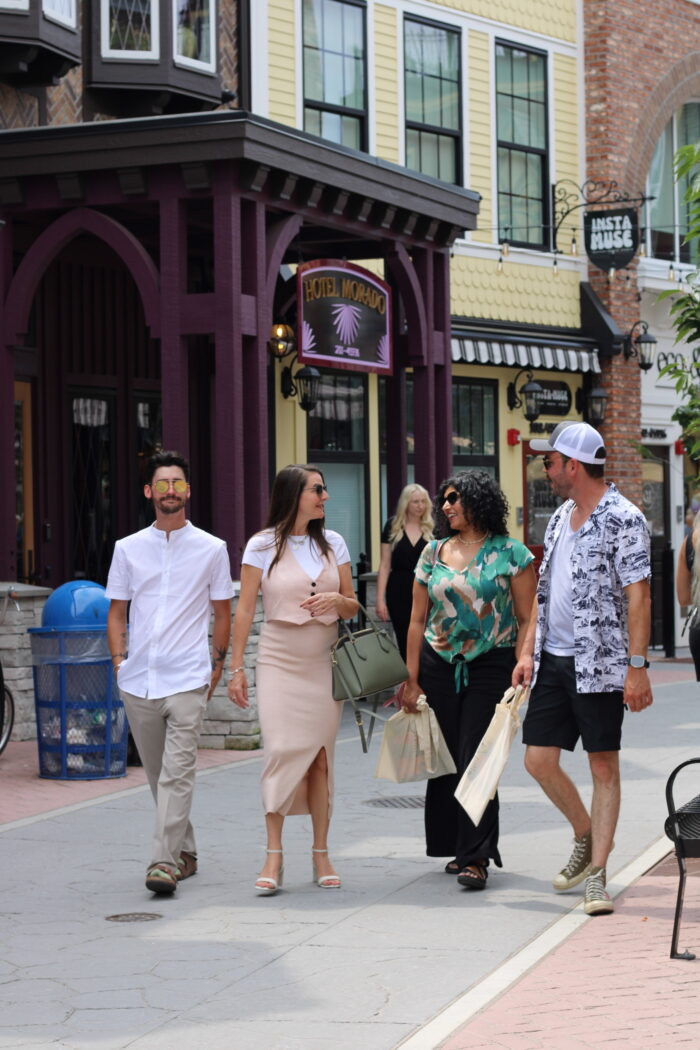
[298, 715]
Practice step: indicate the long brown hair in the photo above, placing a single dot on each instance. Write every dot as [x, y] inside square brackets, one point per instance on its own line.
[287, 488]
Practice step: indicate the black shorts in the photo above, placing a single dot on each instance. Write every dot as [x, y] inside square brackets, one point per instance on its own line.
[557, 715]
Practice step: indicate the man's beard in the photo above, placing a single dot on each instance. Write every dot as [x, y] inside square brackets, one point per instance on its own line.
[170, 507]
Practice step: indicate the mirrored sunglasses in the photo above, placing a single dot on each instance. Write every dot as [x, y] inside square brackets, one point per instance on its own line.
[162, 486]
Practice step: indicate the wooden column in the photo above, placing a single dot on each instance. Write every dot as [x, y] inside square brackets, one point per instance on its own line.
[8, 525]
[235, 415]
[173, 345]
[427, 428]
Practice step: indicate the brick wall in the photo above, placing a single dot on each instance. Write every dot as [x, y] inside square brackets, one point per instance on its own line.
[642, 61]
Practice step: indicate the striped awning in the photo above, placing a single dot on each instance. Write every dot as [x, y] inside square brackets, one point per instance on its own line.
[524, 355]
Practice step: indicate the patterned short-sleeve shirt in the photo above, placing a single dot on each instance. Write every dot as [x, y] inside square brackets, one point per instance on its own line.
[611, 551]
[471, 609]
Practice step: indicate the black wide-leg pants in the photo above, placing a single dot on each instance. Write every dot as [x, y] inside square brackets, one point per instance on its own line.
[464, 717]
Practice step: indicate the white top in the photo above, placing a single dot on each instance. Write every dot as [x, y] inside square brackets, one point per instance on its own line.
[170, 578]
[559, 639]
[260, 550]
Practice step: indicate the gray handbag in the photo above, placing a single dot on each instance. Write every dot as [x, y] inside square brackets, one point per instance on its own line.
[365, 662]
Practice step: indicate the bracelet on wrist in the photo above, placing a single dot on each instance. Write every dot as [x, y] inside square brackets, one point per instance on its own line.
[235, 670]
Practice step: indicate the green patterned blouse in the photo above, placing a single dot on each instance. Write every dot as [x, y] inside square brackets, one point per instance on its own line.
[471, 609]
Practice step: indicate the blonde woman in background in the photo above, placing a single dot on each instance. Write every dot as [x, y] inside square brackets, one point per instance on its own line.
[688, 588]
[403, 538]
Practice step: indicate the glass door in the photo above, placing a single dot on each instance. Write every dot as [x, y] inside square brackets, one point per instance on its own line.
[337, 442]
[92, 510]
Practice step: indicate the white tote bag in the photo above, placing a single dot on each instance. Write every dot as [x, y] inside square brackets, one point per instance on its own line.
[413, 747]
[479, 783]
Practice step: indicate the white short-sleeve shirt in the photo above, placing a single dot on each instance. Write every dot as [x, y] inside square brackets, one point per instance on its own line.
[171, 579]
[260, 551]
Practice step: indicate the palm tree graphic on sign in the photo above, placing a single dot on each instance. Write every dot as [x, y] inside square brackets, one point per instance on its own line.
[347, 321]
[308, 338]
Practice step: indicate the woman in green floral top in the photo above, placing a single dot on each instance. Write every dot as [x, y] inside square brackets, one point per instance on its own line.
[472, 600]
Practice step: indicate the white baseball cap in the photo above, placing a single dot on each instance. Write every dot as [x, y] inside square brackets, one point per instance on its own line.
[578, 441]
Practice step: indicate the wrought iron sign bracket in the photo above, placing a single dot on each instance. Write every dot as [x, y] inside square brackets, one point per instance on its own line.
[568, 197]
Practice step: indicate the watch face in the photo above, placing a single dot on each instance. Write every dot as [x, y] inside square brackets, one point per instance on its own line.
[637, 661]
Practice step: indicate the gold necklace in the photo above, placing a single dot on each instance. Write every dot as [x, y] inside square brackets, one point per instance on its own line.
[470, 543]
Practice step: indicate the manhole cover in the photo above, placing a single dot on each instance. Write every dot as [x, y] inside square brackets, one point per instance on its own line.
[134, 916]
[397, 802]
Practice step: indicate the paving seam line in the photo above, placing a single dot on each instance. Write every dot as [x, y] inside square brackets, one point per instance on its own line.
[102, 799]
[433, 1034]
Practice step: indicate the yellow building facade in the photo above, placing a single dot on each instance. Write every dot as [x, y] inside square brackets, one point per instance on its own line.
[487, 94]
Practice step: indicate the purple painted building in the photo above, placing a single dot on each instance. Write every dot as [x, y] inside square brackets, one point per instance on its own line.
[142, 264]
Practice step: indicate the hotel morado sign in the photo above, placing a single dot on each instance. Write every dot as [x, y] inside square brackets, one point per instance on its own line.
[344, 317]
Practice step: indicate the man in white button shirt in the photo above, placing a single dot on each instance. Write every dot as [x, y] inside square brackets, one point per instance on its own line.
[173, 574]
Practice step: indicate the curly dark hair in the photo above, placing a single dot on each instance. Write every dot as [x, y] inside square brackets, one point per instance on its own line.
[482, 501]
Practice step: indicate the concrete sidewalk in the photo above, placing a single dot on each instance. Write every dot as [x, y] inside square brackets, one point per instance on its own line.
[399, 956]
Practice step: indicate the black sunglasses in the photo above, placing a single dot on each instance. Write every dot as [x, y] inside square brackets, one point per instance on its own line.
[451, 498]
[317, 488]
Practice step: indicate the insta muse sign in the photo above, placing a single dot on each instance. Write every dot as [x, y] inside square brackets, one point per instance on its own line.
[612, 237]
[344, 317]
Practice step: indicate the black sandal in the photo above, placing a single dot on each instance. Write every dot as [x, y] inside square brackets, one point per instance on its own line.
[474, 876]
[452, 867]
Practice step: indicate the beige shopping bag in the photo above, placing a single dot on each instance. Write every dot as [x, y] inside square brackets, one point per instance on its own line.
[480, 780]
[413, 747]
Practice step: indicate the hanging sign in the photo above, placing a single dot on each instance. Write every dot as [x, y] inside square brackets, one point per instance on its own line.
[612, 237]
[344, 317]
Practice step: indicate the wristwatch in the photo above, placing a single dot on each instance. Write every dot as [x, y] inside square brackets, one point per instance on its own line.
[637, 661]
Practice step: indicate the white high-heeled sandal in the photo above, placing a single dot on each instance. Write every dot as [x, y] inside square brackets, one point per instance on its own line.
[326, 882]
[265, 885]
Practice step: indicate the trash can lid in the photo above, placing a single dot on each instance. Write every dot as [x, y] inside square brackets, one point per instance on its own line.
[79, 603]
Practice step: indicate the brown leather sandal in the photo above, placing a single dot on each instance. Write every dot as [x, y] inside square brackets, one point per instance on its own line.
[474, 876]
[452, 867]
[161, 878]
[186, 866]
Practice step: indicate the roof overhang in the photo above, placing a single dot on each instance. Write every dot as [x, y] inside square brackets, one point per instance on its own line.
[299, 170]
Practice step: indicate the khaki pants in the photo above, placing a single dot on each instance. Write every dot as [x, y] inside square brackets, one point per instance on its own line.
[166, 732]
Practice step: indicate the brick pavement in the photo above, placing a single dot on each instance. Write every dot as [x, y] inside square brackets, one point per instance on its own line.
[610, 984]
[23, 793]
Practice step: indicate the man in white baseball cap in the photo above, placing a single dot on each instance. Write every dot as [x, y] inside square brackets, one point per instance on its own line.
[585, 649]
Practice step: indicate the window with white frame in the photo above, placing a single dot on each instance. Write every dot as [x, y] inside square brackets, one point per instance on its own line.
[521, 129]
[194, 23]
[14, 5]
[667, 213]
[432, 95]
[130, 29]
[63, 11]
[335, 74]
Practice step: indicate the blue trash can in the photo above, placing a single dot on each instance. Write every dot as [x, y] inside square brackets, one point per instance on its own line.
[82, 731]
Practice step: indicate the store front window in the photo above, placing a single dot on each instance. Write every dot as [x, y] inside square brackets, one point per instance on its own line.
[474, 424]
[337, 442]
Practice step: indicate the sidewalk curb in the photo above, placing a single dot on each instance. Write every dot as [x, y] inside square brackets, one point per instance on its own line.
[433, 1034]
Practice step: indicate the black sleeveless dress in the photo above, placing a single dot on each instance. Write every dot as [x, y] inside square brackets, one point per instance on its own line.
[399, 588]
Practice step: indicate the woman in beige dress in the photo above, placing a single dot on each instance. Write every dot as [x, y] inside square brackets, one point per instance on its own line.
[303, 570]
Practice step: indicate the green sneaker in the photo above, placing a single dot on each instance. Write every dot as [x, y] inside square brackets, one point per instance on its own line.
[578, 866]
[596, 899]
